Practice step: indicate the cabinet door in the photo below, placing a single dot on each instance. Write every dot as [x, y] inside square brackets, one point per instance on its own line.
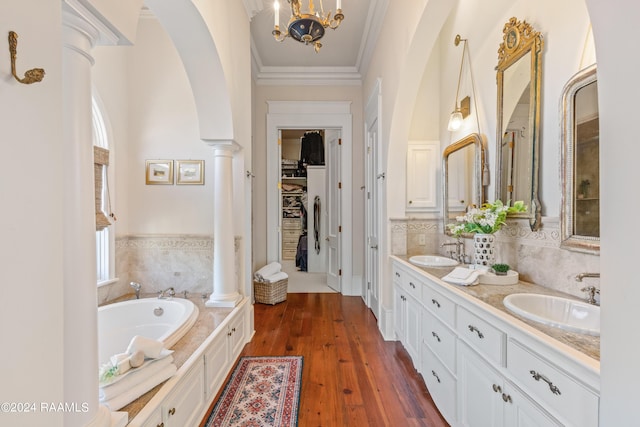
[399, 317]
[423, 172]
[479, 391]
[185, 405]
[236, 335]
[216, 363]
[155, 419]
[412, 330]
[521, 411]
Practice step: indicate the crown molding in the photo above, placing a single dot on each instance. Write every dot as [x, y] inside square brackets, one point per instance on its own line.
[253, 7]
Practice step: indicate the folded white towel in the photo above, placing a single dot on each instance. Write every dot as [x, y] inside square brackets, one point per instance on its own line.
[276, 277]
[135, 392]
[150, 348]
[268, 270]
[133, 378]
[462, 276]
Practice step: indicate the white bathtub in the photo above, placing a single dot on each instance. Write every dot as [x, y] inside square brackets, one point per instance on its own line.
[118, 323]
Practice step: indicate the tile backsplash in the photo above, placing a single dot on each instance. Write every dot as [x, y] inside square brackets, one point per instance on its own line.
[184, 262]
[536, 256]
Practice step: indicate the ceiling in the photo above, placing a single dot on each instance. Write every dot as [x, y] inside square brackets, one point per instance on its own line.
[345, 53]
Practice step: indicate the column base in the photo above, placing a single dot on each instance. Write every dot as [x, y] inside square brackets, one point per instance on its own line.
[228, 301]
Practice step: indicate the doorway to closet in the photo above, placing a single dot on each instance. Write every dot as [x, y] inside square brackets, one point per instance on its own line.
[334, 120]
[309, 229]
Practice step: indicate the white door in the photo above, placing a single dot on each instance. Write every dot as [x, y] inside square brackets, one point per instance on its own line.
[334, 186]
[372, 288]
[373, 189]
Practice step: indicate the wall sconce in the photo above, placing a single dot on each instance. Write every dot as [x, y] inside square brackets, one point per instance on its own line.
[459, 112]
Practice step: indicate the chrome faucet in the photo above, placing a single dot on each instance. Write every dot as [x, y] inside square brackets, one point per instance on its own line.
[136, 287]
[581, 276]
[459, 252]
[167, 293]
[590, 290]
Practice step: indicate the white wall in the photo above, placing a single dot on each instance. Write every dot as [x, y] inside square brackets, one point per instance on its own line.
[31, 221]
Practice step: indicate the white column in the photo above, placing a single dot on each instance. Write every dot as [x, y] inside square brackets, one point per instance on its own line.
[79, 267]
[225, 291]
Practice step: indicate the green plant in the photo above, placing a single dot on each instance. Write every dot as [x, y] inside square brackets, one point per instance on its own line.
[488, 219]
[500, 268]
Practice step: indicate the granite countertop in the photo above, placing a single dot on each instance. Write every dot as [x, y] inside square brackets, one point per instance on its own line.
[494, 294]
[208, 320]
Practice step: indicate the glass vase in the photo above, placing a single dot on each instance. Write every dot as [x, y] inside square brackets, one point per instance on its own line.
[484, 252]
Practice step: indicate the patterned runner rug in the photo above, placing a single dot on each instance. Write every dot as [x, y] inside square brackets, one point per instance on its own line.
[262, 391]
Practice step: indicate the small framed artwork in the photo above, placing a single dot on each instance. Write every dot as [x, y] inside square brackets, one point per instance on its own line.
[159, 172]
[190, 172]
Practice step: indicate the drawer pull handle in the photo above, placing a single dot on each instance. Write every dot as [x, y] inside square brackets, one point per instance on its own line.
[397, 274]
[497, 388]
[536, 376]
[476, 330]
[436, 336]
[160, 425]
[172, 411]
[435, 375]
[435, 302]
[506, 398]
[412, 285]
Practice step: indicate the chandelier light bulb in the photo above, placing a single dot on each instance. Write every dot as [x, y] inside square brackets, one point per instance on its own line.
[276, 8]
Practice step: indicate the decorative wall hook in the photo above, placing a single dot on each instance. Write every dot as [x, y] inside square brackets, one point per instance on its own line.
[30, 76]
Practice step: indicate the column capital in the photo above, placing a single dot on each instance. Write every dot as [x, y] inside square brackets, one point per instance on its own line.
[222, 144]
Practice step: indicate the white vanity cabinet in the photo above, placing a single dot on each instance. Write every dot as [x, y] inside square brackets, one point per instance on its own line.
[184, 399]
[407, 314]
[485, 368]
[423, 164]
[185, 404]
[486, 398]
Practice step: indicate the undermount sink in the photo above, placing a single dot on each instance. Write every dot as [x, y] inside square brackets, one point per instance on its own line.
[432, 261]
[563, 313]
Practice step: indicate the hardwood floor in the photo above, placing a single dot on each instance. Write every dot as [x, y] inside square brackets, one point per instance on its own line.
[351, 376]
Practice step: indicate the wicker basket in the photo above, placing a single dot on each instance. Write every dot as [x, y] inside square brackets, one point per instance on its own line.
[270, 293]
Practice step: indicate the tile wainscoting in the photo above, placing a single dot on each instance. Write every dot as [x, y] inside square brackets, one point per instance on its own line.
[537, 256]
[184, 262]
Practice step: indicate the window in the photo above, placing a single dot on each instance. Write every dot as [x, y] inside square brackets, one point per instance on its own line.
[105, 267]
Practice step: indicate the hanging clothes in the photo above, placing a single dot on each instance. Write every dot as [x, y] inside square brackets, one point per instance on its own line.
[316, 222]
[312, 148]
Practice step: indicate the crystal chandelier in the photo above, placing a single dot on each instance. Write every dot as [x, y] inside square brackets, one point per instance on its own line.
[306, 26]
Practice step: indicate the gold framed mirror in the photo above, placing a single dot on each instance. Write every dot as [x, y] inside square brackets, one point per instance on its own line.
[462, 186]
[519, 76]
[580, 215]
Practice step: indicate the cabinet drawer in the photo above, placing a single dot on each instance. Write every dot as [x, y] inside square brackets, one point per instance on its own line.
[487, 339]
[413, 285]
[441, 385]
[561, 394]
[439, 305]
[288, 254]
[440, 339]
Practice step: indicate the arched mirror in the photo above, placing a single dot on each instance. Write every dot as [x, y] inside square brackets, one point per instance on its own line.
[462, 186]
[580, 219]
[519, 73]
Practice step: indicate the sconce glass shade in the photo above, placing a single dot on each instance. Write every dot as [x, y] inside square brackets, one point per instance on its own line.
[455, 120]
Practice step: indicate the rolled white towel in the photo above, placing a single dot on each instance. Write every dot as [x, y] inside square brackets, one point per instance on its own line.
[276, 277]
[150, 348]
[268, 270]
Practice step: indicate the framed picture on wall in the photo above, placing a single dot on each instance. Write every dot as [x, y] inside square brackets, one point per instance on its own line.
[159, 172]
[190, 172]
